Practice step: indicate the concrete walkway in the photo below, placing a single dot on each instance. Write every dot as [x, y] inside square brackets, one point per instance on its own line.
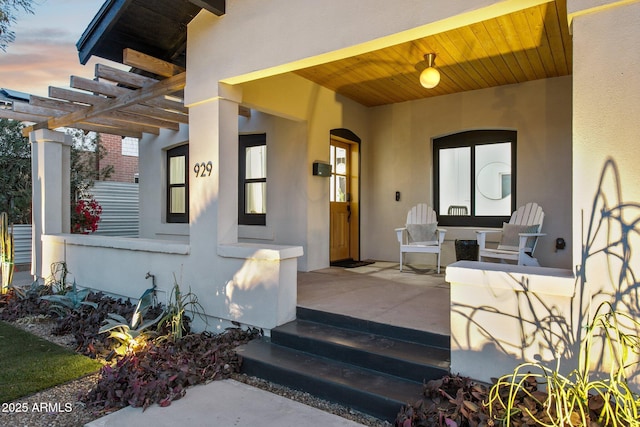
[226, 403]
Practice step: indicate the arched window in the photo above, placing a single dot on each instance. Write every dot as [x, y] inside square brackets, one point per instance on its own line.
[475, 177]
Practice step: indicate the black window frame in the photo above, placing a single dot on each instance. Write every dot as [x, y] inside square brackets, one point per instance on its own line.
[472, 139]
[244, 142]
[178, 218]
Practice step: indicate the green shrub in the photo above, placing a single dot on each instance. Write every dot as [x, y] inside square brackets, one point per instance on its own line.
[72, 300]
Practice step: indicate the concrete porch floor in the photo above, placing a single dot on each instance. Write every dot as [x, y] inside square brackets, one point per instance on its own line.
[416, 298]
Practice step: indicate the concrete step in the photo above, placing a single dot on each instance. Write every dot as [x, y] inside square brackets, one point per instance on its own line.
[370, 392]
[399, 333]
[409, 360]
[371, 367]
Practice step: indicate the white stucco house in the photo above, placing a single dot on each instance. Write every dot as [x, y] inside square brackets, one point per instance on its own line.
[319, 82]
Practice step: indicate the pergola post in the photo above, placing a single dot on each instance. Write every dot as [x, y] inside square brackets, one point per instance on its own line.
[51, 165]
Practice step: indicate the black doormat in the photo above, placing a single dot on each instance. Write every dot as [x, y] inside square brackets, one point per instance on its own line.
[349, 263]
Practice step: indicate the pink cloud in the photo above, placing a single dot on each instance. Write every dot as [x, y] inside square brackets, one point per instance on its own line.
[44, 53]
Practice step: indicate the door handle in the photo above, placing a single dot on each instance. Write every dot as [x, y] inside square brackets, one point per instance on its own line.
[349, 215]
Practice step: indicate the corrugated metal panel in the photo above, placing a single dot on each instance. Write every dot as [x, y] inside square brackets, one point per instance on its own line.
[22, 243]
[120, 208]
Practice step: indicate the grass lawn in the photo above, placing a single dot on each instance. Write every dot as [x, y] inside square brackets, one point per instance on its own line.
[30, 364]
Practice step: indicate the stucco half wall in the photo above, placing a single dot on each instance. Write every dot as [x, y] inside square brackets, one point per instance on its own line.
[254, 285]
[506, 315]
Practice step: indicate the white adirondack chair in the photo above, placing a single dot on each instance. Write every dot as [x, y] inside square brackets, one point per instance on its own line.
[519, 237]
[421, 235]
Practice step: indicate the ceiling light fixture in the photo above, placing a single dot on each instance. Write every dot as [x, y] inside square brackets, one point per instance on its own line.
[430, 77]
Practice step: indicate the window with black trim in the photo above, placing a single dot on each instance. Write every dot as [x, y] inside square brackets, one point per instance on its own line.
[178, 184]
[252, 184]
[475, 177]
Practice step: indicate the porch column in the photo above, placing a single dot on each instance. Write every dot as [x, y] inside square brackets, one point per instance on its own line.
[213, 198]
[50, 171]
[606, 176]
[249, 283]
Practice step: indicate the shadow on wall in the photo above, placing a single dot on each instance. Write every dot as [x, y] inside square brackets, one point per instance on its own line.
[514, 324]
[510, 318]
[612, 233]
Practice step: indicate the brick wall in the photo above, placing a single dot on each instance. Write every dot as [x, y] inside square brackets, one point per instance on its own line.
[125, 165]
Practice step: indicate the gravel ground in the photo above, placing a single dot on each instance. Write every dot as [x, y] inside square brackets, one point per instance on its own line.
[60, 406]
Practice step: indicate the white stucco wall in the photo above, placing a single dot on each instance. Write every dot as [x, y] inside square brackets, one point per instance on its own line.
[401, 154]
[397, 156]
[606, 108]
[286, 181]
[304, 198]
[503, 316]
[153, 190]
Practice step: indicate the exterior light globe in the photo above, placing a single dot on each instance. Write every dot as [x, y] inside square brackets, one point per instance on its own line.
[429, 78]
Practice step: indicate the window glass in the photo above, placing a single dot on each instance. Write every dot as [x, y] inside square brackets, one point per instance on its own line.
[176, 170]
[339, 157]
[256, 196]
[252, 184]
[493, 179]
[177, 183]
[178, 205]
[341, 160]
[341, 189]
[256, 162]
[332, 190]
[475, 177]
[455, 183]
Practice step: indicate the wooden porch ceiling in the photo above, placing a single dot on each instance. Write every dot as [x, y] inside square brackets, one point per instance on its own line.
[115, 102]
[530, 44]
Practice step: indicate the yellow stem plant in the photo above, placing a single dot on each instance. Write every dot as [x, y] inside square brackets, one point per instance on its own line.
[7, 252]
[580, 398]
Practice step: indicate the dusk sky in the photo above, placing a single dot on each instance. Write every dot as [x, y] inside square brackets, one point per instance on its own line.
[44, 53]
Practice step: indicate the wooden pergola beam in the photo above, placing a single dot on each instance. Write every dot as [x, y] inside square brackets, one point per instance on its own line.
[244, 111]
[88, 99]
[135, 104]
[90, 127]
[113, 91]
[56, 104]
[114, 119]
[163, 87]
[122, 116]
[123, 77]
[42, 111]
[22, 117]
[136, 59]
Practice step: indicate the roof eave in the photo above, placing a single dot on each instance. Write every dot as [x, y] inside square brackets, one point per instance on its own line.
[104, 19]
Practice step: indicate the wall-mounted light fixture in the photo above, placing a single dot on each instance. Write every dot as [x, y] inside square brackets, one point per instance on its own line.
[430, 77]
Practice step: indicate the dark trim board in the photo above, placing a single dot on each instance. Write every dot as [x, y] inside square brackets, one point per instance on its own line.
[217, 7]
[155, 28]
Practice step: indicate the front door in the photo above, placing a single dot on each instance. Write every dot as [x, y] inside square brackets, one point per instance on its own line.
[340, 201]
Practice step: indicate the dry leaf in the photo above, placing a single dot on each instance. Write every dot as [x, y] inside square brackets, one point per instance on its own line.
[596, 403]
[472, 406]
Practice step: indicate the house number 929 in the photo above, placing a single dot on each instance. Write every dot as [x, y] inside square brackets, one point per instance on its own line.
[203, 169]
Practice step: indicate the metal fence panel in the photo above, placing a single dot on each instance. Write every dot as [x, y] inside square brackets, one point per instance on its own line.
[120, 216]
[120, 208]
[22, 243]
